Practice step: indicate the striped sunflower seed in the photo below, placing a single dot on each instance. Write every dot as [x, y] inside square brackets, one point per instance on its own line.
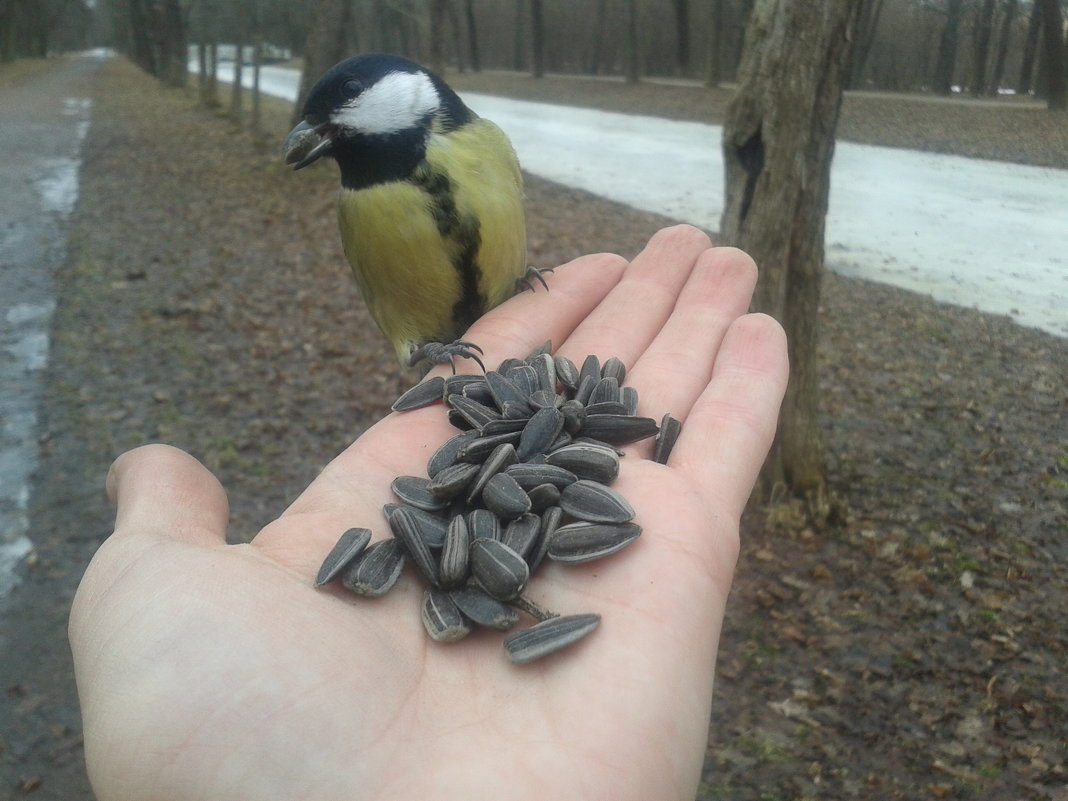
[499, 570]
[524, 378]
[522, 533]
[431, 526]
[377, 569]
[566, 372]
[670, 428]
[504, 391]
[541, 430]
[594, 502]
[550, 522]
[454, 554]
[503, 426]
[453, 480]
[449, 452]
[629, 397]
[502, 457]
[545, 369]
[475, 413]
[406, 530]
[529, 475]
[482, 524]
[548, 637]
[442, 618]
[574, 416]
[584, 542]
[605, 391]
[414, 491]
[543, 496]
[344, 553]
[618, 430]
[479, 449]
[584, 460]
[585, 388]
[484, 610]
[422, 394]
[591, 367]
[614, 368]
[504, 497]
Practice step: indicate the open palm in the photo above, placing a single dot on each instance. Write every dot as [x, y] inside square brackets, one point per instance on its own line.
[211, 671]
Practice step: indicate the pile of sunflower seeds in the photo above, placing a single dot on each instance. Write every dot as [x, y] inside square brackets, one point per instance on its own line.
[527, 478]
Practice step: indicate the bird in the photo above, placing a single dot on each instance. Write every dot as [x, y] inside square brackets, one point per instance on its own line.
[430, 209]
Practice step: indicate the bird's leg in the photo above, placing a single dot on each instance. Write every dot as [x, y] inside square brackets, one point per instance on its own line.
[441, 353]
[532, 274]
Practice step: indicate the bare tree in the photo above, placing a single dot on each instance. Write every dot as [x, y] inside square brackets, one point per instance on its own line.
[714, 62]
[1008, 16]
[537, 39]
[325, 44]
[947, 48]
[437, 36]
[867, 27]
[984, 26]
[633, 70]
[1027, 62]
[1054, 58]
[682, 34]
[472, 36]
[778, 141]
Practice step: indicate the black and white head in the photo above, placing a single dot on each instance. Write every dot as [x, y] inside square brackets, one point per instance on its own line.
[373, 114]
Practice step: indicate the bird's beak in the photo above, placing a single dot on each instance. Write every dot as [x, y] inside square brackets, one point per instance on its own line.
[307, 143]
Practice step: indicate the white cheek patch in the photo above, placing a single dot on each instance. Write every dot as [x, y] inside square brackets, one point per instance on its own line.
[395, 103]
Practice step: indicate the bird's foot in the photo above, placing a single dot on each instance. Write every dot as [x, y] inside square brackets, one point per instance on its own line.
[532, 274]
[442, 353]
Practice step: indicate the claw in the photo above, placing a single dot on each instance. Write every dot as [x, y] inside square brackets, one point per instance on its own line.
[532, 274]
[441, 353]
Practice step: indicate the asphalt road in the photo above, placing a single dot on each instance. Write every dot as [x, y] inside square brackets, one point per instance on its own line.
[52, 515]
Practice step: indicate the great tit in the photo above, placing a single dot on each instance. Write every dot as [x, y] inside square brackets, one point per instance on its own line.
[431, 208]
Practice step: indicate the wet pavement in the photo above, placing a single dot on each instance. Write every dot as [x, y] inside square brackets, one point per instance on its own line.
[44, 117]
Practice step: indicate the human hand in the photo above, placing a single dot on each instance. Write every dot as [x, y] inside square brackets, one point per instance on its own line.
[209, 671]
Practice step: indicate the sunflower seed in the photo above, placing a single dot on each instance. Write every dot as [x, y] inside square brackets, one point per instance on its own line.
[343, 554]
[529, 475]
[449, 452]
[539, 433]
[524, 378]
[606, 407]
[422, 394]
[457, 420]
[472, 411]
[377, 569]
[629, 397]
[543, 496]
[482, 524]
[431, 526]
[585, 389]
[594, 502]
[605, 391]
[453, 480]
[516, 411]
[584, 542]
[504, 391]
[566, 372]
[479, 392]
[591, 367]
[618, 430]
[545, 369]
[574, 415]
[614, 368]
[503, 426]
[550, 521]
[504, 497]
[584, 460]
[544, 399]
[548, 637]
[498, 569]
[454, 554]
[456, 384]
[508, 364]
[478, 450]
[406, 530]
[484, 610]
[442, 618]
[522, 533]
[670, 428]
[503, 456]
[413, 491]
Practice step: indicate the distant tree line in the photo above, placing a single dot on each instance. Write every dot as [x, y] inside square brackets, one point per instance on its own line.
[37, 28]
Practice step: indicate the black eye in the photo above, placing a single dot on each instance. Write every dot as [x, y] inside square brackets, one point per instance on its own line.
[351, 88]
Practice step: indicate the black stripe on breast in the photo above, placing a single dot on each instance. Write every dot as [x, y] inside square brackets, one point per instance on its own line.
[464, 238]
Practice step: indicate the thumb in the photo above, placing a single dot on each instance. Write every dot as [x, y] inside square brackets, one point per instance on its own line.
[163, 492]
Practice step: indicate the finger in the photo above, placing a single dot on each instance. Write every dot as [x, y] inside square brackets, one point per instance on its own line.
[676, 367]
[731, 425]
[631, 315]
[525, 321]
[161, 491]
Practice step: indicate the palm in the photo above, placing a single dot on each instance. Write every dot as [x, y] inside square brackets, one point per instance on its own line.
[252, 683]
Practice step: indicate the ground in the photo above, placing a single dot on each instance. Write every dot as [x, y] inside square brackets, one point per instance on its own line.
[914, 649]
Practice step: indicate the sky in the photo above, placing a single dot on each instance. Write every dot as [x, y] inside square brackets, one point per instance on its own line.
[982, 234]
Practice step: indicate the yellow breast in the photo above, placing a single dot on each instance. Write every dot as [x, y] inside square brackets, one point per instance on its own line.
[434, 252]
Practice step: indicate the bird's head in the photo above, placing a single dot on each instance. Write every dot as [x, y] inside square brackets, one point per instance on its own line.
[373, 114]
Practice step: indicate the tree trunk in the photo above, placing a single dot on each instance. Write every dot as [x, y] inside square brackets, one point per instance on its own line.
[518, 38]
[778, 141]
[1005, 34]
[714, 60]
[984, 25]
[632, 70]
[472, 36]
[947, 49]
[597, 55]
[437, 36]
[255, 124]
[867, 27]
[324, 45]
[236, 88]
[682, 35]
[537, 40]
[1053, 48]
[1027, 63]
